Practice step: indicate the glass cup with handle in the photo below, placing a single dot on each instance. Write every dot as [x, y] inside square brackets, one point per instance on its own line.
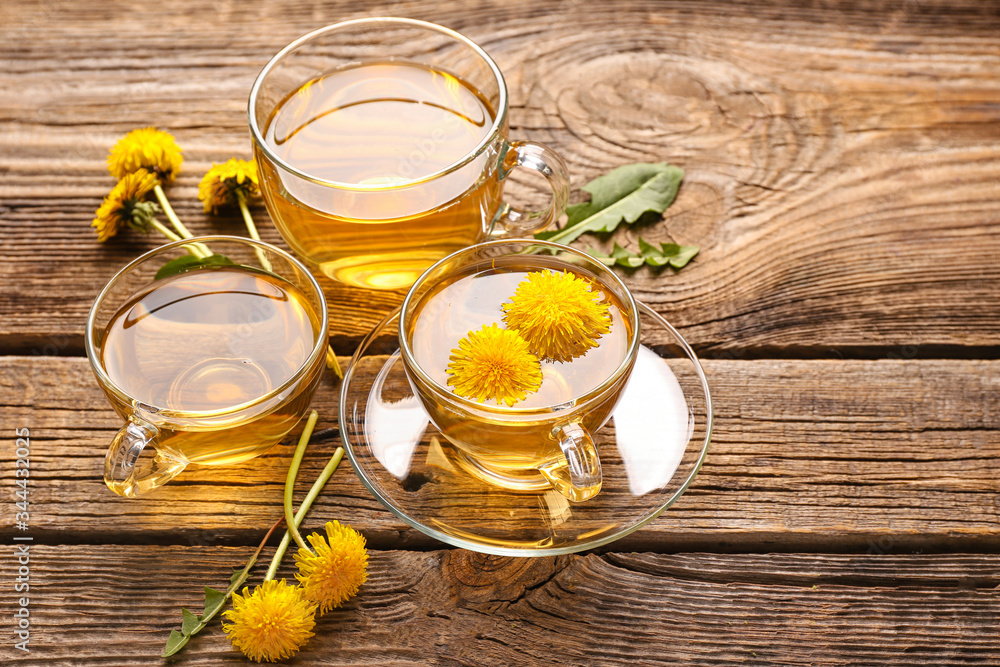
[209, 362]
[545, 438]
[382, 146]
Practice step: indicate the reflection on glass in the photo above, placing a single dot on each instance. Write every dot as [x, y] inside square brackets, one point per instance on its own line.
[436, 457]
[393, 428]
[555, 508]
[652, 424]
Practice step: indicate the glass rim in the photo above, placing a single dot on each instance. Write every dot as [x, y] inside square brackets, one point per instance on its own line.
[608, 384]
[490, 138]
[319, 348]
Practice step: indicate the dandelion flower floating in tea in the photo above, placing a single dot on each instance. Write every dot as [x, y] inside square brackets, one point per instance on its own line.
[559, 314]
[146, 148]
[271, 623]
[226, 183]
[126, 205]
[494, 363]
[333, 575]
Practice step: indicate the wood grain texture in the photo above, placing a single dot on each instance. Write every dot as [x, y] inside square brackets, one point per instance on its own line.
[842, 164]
[806, 454]
[115, 605]
[842, 159]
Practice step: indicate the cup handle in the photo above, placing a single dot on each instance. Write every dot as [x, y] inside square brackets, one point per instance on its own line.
[515, 222]
[577, 475]
[122, 473]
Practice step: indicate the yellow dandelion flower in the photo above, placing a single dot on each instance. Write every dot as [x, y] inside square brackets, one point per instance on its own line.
[332, 575]
[126, 205]
[558, 314]
[494, 363]
[272, 623]
[222, 184]
[146, 148]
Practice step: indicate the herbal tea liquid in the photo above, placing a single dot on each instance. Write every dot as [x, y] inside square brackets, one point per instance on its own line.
[377, 125]
[507, 438]
[212, 339]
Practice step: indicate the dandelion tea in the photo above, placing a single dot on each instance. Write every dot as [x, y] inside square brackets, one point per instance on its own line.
[209, 340]
[369, 128]
[520, 436]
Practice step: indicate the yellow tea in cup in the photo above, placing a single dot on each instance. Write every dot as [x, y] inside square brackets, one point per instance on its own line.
[211, 365]
[209, 340]
[383, 146]
[361, 125]
[519, 351]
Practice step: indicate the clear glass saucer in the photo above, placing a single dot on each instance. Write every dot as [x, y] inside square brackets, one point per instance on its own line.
[650, 451]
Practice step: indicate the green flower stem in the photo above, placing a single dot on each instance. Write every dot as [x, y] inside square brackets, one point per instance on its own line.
[252, 228]
[168, 210]
[166, 231]
[314, 492]
[332, 363]
[293, 473]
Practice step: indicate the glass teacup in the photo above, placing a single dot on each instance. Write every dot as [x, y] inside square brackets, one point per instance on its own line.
[522, 420]
[207, 364]
[383, 146]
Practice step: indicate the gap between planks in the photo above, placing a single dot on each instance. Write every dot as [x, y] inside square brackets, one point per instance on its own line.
[30, 345]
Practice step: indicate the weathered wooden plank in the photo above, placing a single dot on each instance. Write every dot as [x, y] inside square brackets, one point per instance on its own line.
[115, 605]
[849, 455]
[846, 202]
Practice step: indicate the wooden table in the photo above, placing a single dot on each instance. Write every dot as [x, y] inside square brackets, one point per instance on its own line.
[843, 182]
